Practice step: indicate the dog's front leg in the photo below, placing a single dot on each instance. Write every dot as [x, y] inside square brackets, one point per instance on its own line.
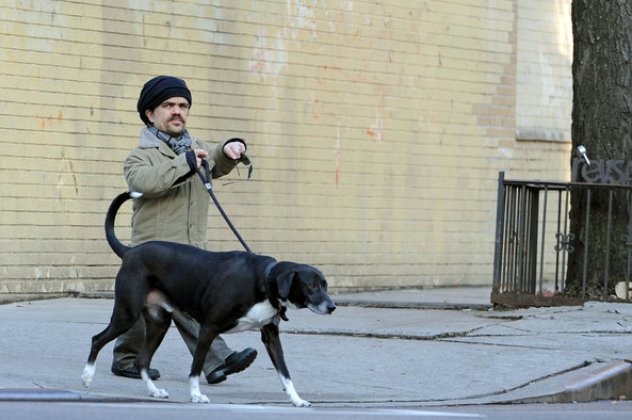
[154, 391]
[205, 338]
[157, 321]
[270, 337]
[194, 389]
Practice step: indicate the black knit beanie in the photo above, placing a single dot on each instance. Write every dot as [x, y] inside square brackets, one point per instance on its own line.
[159, 89]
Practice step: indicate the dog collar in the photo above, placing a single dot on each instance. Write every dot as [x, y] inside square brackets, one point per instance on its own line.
[271, 295]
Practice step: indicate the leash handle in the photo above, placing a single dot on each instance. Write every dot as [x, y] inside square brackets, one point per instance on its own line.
[206, 180]
[207, 175]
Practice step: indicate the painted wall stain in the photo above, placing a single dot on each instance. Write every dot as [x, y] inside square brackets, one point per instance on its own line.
[49, 121]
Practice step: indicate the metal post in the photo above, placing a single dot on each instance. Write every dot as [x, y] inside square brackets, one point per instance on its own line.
[532, 252]
[546, 195]
[520, 250]
[628, 243]
[606, 268]
[557, 245]
[500, 212]
[586, 243]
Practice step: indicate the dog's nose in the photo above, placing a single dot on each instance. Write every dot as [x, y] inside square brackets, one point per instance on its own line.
[330, 308]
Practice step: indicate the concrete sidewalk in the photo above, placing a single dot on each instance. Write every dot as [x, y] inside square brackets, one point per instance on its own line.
[400, 348]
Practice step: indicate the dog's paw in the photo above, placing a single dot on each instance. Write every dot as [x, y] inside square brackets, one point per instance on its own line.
[159, 393]
[298, 402]
[200, 399]
[87, 375]
[86, 381]
[288, 386]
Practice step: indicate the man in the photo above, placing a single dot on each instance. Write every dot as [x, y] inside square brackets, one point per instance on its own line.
[174, 207]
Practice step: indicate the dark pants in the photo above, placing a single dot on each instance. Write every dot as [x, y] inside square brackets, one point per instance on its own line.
[128, 345]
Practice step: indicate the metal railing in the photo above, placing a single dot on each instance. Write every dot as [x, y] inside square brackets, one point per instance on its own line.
[533, 241]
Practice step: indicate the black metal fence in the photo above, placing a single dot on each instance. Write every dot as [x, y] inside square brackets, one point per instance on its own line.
[533, 241]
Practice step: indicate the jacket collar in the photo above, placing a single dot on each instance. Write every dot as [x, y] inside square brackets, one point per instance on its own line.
[148, 140]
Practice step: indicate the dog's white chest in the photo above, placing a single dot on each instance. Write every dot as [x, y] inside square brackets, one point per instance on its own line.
[258, 316]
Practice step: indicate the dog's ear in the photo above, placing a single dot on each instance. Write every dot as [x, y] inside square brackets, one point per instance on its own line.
[284, 283]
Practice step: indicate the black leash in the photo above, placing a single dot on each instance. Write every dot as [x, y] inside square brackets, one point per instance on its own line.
[206, 180]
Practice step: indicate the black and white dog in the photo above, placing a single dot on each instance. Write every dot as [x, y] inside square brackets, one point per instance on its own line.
[224, 291]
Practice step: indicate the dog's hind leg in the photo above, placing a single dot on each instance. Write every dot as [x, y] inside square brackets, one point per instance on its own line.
[270, 337]
[157, 321]
[120, 322]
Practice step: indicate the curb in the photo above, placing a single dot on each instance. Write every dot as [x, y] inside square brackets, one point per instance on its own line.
[58, 395]
[611, 382]
[20, 394]
[411, 305]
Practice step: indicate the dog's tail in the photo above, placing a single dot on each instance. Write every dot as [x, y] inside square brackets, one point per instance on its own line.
[119, 248]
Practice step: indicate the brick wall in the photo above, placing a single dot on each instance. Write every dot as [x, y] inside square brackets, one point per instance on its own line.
[377, 129]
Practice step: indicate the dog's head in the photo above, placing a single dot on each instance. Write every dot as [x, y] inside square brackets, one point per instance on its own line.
[302, 286]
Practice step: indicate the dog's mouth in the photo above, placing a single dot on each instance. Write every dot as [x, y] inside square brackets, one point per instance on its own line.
[324, 308]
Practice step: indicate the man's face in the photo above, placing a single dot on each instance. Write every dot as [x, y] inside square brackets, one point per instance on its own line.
[170, 116]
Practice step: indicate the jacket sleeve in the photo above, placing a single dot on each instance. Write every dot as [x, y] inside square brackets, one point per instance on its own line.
[221, 164]
[152, 175]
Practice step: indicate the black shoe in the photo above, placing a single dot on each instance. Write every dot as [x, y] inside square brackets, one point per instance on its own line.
[132, 372]
[216, 376]
[234, 363]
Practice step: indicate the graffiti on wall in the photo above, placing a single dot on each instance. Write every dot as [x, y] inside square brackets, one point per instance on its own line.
[615, 171]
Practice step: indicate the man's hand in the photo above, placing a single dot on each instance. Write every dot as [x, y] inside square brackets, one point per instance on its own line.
[199, 155]
[234, 150]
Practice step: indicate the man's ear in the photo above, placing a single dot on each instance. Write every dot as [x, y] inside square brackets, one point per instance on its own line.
[149, 113]
[284, 283]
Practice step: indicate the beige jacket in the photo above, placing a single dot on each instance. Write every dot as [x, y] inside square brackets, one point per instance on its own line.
[171, 209]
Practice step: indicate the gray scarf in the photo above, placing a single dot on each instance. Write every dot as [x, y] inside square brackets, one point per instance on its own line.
[178, 145]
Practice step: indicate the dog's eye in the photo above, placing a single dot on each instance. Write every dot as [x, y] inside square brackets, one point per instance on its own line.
[313, 285]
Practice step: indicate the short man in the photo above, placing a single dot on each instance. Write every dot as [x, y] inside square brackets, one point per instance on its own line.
[174, 207]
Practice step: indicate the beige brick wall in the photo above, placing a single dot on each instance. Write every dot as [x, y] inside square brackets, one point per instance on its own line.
[377, 129]
[545, 53]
